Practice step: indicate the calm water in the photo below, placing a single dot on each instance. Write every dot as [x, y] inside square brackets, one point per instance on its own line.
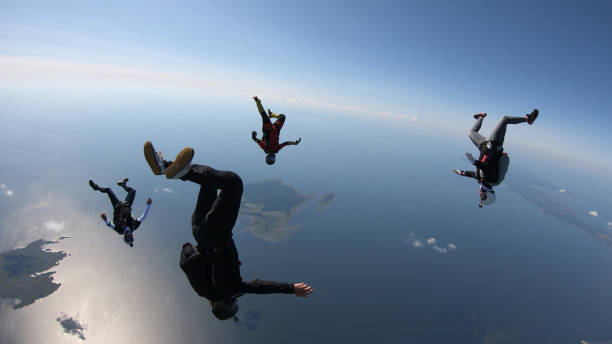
[517, 275]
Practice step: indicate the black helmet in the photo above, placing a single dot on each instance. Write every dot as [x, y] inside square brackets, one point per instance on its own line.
[270, 159]
[225, 309]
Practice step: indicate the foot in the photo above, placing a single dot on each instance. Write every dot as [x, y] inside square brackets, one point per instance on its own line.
[481, 114]
[181, 164]
[122, 182]
[256, 99]
[154, 159]
[94, 185]
[532, 116]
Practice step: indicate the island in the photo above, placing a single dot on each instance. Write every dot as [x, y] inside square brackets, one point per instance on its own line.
[269, 205]
[22, 273]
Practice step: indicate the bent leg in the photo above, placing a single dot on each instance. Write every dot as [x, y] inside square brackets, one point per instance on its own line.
[206, 198]
[264, 116]
[222, 216]
[111, 195]
[130, 196]
[499, 133]
[474, 136]
[280, 121]
[215, 216]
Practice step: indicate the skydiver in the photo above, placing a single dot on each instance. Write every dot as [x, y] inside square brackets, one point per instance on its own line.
[123, 222]
[270, 133]
[212, 266]
[492, 164]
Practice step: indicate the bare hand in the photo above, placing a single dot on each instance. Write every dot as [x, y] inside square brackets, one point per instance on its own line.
[103, 216]
[302, 289]
[149, 200]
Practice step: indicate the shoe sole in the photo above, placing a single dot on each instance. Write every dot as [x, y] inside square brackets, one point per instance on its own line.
[183, 158]
[534, 118]
[149, 154]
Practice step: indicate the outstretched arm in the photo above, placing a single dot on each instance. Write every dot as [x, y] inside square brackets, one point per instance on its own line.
[105, 219]
[268, 287]
[289, 143]
[471, 174]
[258, 141]
[146, 211]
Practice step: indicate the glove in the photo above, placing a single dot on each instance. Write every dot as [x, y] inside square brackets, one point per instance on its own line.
[254, 135]
[470, 157]
[149, 201]
[103, 216]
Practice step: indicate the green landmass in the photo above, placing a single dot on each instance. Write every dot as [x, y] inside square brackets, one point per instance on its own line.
[21, 273]
[270, 204]
[273, 195]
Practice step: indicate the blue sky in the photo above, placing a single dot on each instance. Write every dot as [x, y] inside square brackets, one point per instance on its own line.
[439, 60]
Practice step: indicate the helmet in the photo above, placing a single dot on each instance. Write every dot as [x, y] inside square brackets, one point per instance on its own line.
[128, 238]
[225, 309]
[270, 159]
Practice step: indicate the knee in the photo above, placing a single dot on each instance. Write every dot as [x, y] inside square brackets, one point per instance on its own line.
[236, 182]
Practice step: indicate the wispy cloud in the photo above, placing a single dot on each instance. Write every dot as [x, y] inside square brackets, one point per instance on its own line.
[412, 118]
[431, 242]
[562, 190]
[210, 81]
[593, 213]
[54, 226]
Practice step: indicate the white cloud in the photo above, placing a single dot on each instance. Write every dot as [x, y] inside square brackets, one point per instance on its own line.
[54, 226]
[609, 224]
[593, 213]
[8, 193]
[2, 186]
[414, 241]
[562, 190]
[439, 249]
[168, 190]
